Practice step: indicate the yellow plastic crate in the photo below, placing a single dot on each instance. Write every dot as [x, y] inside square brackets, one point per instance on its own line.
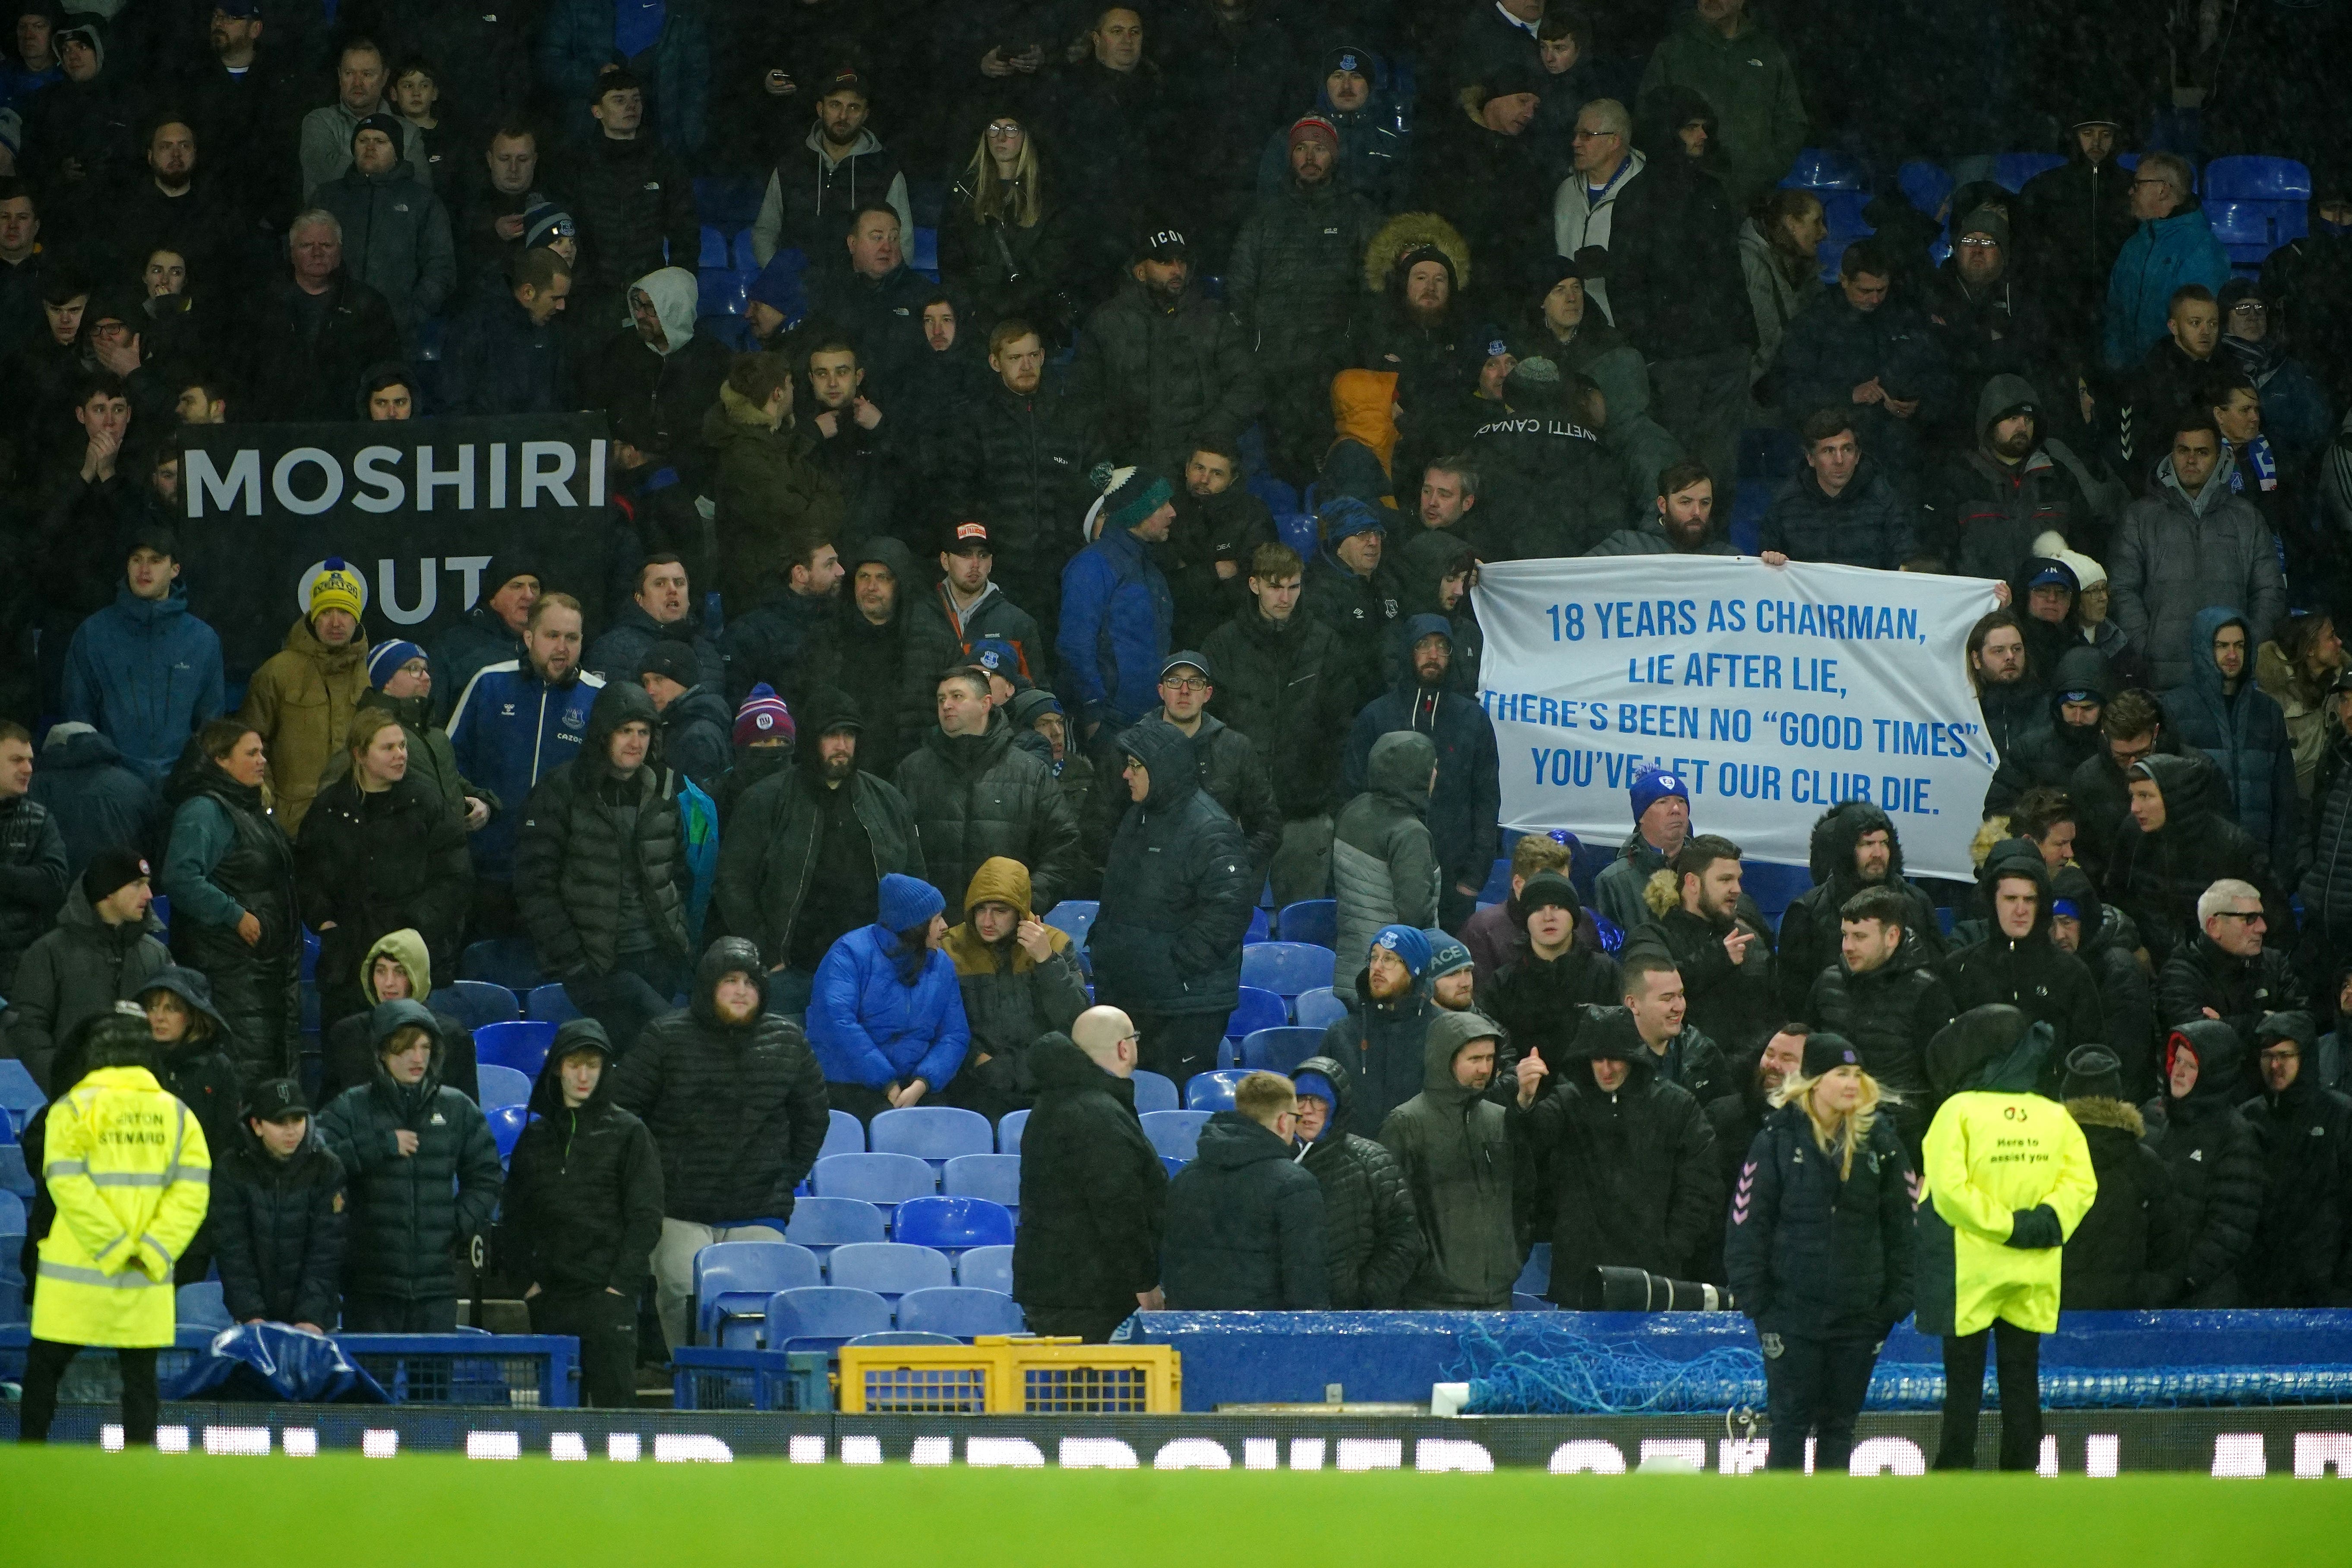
[998, 1374]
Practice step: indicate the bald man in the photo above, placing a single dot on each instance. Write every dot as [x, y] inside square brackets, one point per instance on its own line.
[1093, 1191]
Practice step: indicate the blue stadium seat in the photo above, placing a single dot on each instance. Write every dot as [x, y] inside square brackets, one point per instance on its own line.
[820, 1317]
[14, 1177]
[1946, 918]
[844, 1135]
[309, 956]
[1535, 1277]
[12, 1220]
[937, 1133]
[1310, 919]
[1280, 1050]
[200, 1306]
[161, 907]
[7, 1128]
[507, 1122]
[1499, 882]
[1257, 1009]
[501, 1086]
[1927, 186]
[890, 1269]
[1286, 968]
[1819, 169]
[901, 1337]
[960, 1311]
[996, 1177]
[521, 1044]
[1261, 929]
[885, 1181]
[745, 256]
[1175, 1132]
[1774, 887]
[1523, 1302]
[509, 961]
[2012, 170]
[19, 1095]
[1319, 1009]
[722, 291]
[1213, 1091]
[551, 1004]
[1155, 1091]
[1298, 530]
[714, 249]
[823, 1223]
[2259, 179]
[1075, 916]
[309, 1010]
[476, 1002]
[733, 1280]
[1172, 1165]
[1280, 498]
[1843, 210]
[923, 256]
[954, 1223]
[1008, 1131]
[986, 1269]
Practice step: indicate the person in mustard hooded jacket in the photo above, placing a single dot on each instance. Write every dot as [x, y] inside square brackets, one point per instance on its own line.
[128, 1169]
[301, 699]
[2007, 1178]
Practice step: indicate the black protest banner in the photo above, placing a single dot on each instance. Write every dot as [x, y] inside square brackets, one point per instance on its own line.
[417, 507]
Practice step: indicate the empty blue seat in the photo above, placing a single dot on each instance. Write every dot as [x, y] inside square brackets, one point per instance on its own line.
[1286, 968]
[1172, 1165]
[1320, 1008]
[551, 1003]
[161, 907]
[2248, 177]
[501, 1086]
[901, 1337]
[1175, 1133]
[996, 1177]
[2012, 170]
[954, 1223]
[1843, 211]
[14, 1177]
[961, 1311]
[890, 1269]
[1310, 919]
[1820, 169]
[722, 291]
[986, 1269]
[1008, 1131]
[1213, 1090]
[1280, 498]
[845, 1135]
[1925, 185]
[1153, 1091]
[12, 1221]
[745, 256]
[1074, 916]
[1257, 1009]
[1298, 530]
[937, 1133]
[521, 1044]
[820, 1317]
[476, 1002]
[19, 1095]
[508, 960]
[1280, 1050]
[924, 255]
[1499, 882]
[1535, 1277]
[822, 1224]
[507, 1122]
[714, 249]
[200, 1306]
[309, 956]
[1260, 929]
[735, 1278]
[884, 1180]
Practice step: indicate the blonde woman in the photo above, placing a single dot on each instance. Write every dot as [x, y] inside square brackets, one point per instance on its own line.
[1001, 243]
[1818, 1248]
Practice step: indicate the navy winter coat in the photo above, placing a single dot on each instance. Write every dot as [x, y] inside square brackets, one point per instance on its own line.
[2246, 734]
[509, 730]
[1813, 1254]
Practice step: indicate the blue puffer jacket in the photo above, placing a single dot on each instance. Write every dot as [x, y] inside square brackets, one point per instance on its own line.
[1115, 614]
[2163, 255]
[2244, 733]
[509, 730]
[867, 1025]
[575, 42]
[146, 675]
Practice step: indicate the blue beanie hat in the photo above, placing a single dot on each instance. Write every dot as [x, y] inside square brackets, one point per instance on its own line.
[1410, 946]
[905, 902]
[1316, 1084]
[1343, 517]
[1655, 784]
[1446, 953]
[385, 659]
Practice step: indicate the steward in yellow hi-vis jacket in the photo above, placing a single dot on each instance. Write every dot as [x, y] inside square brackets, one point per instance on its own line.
[2007, 1178]
[126, 1165]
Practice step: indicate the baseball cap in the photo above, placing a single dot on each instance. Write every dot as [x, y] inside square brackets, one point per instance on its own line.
[969, 537]
[2054, 577]
[1166, 244]
[1188, 659]
[277, 1099]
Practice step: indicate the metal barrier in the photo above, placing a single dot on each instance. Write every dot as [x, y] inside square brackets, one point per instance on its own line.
[1001, 1374]
[709, 1378]
[521, 1372]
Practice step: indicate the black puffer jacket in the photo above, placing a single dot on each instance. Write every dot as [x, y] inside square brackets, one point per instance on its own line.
[1018, 463]
[278, 1230]
[737, 1111]
[1294, 273]
[1890, 1013]
[77, 972]
[368, 864]
[977, 797]
[1363, 614]
[2241, 991]
[2302, 1255]
[1283, 685]
[2157, 877]
[1736, 1004]
[1809, 928]
[1176, 892]
[1626, 1180]
[583, 830]
[32, 876]
[2217, 1168]
[630, 198]
[2028, 972]
[2050, 754]
[2326, 886]
[1154, 376]
[254, 986]
[2121, 1257]
[1246, 1227]
[584, 1200]
[1093, 1194]
[1231, 774]
[2127, 996]
[1374, 1240]
[409, 1213]
[1542, 1002]
[1814, 1253]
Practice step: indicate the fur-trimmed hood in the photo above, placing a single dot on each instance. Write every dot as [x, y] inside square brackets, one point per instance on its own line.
[2097, 1110]
[1406, 233]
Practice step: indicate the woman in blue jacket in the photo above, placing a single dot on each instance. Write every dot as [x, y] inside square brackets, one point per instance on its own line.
[886, 1014]
[1819, 1250]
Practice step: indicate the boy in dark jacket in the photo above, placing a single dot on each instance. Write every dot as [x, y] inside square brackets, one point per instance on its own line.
[1373, 1238]
[1245, 1228]
[1540, 996]
[2221, 711]
[2018, 965]
[1882, 995]
[2120, 1257]
[277, 1217]
[424, 1175]
[583, 1209]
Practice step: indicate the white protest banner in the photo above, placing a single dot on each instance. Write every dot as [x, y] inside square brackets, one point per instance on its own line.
[1776, 691]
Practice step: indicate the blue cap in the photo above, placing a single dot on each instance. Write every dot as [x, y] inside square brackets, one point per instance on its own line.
[2067, 908]
[997, 656]
[1410, 946]
[1446, 953]
[1654, 786]
[1344, 517]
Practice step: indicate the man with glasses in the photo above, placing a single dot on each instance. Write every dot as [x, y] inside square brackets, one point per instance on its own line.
[1989, 323]
[1230, 770]
[2174, 245]
[2231, 972]
[2302, 1255]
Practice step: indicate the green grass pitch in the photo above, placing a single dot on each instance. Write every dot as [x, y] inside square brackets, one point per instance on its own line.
[77, 1506]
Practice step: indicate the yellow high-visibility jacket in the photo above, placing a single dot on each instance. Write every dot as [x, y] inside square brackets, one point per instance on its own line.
[1990, 1156]
[128, 1169]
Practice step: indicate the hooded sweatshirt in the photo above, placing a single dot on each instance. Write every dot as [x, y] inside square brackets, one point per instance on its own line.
[2209, 1147]
[2156, 877]
[2244, 731]
[1455, 1149]
[1467, 802]
[584, 1197]
[1361, 459]
[1384, 863]
[350, 1055]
